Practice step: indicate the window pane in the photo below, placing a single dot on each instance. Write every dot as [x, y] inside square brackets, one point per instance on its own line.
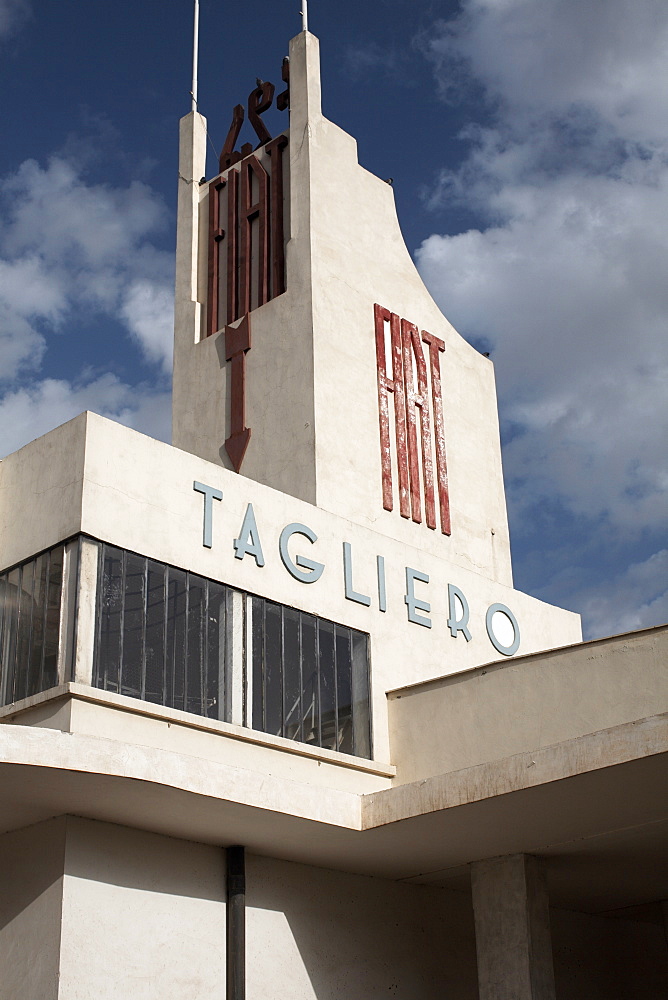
[258, 664]
[215, 650]
[327, 685]
[3, 609]
[176, 638]
[165, 629]
[12, 583]
[361, 712]
[23, 633]
[273, 694]
[162, 635]
[24, 628]
[292, 681]
[133, 625]
[111, 598]
[310, 696]
[38, 612]
[344, 689]
[52, 623]
[196, 635]
[155, 647]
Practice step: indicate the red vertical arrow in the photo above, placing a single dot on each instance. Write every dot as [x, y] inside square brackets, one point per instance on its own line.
[237, 342]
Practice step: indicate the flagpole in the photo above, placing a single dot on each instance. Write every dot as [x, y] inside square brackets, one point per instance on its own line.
[304, 15]
[195, 55]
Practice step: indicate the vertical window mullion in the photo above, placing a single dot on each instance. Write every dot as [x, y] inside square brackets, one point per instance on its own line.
[31, 623]
[121, 643]
[247, 670]
[170, 655]
[317, 669]
[352, 698]
[301, 681]
[282, 672]
[45, 605]
[336, 694]
[186, 629]
[17, 639]
[165, 615]
[204, 658]
[144, 618]
[264, 665]
[4, 603]
[98, 679]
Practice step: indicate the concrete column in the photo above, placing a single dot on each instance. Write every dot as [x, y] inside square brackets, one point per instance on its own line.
[84, 630]
[512, 926]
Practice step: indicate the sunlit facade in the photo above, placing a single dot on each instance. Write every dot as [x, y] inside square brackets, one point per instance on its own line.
[274, 720]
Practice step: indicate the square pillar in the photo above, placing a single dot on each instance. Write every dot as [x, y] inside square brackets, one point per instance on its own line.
[512, 927]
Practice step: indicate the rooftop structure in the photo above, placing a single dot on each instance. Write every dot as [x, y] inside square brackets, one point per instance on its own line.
[275, 720]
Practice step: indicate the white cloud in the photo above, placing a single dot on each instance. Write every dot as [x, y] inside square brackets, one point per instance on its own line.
[635, 599]
[29, 295]
[93, 225]
[69, 246]
[29, 412]
[567, 283]
[148, 312]
[71, 249]
[546, 57]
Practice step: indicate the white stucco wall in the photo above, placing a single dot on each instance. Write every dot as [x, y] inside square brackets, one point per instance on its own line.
[311, 379]
[137, 493]
[314, 934]
[91, 909]
[44, 476]
[520, 705]
[31, 888]
[143, 916]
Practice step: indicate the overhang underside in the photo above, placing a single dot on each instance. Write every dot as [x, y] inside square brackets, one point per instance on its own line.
[603, 830]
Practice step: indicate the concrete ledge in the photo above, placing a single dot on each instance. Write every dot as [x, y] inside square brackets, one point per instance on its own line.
[23, 712]
[620, 745]
[570, 801]
[529, 702]
[58, 752]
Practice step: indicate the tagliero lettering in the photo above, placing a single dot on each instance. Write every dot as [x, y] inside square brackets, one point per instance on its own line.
[501, 624]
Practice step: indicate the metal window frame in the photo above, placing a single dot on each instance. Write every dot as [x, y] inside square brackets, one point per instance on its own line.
[251, 680]
[15, 685]
[175, 668]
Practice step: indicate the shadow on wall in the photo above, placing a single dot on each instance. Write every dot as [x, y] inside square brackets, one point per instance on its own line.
[24, 879]
[312, 932]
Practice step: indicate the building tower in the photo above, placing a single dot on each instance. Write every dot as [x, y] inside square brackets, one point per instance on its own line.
[273, 719]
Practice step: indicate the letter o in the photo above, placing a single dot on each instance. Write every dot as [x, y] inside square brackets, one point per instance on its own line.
[506, 650]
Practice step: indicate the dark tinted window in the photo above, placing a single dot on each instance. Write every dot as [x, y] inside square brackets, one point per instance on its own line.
[160, 634]
[310, 679]
[30, 598]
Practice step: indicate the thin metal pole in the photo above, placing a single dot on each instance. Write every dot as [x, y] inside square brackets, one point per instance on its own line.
[236, 923]
[304, 15]
[195, 55]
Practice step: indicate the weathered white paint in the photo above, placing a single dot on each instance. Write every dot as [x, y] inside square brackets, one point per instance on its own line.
[518, 706]
[512, 929]
[97, 909]
[31, 888]
[174, 944]
[312, 400]
[558, 753]
[314, 934]
[84, 614]
[138, 494]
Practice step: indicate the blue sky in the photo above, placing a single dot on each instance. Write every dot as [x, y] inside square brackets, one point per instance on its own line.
[528, 143]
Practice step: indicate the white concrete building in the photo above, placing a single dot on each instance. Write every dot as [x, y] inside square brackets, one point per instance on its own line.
[276, 723]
